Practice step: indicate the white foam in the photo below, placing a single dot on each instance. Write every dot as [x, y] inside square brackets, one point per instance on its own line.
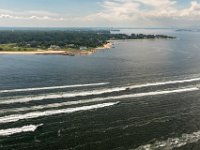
[172, 143]
[53, 87]
[100, 84]
[166, 83]
[31, 115]
[39, 107]
[11, 131]
[61, 95]
[94, 92]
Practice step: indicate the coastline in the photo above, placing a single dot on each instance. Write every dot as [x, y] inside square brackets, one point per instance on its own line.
[58, 52]
[105, 46]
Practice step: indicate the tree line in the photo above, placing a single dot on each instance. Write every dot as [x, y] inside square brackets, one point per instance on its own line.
[44, 39]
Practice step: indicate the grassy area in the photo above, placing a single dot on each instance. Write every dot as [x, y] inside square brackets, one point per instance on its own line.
[12, 47]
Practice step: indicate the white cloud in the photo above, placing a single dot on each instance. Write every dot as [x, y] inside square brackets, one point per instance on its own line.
[193, 11]
[137, 13]
[29, 15]
[146, 12]
[156, 3]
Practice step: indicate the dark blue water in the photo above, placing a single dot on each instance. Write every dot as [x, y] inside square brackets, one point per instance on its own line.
[165, 114]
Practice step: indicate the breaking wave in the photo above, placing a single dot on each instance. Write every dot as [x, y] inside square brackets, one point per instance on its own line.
[99, 100]
[61, 95]
[172, 143]
[11, 131]
[165, 83]
[88, 93]
[53, 87]
[31, 115]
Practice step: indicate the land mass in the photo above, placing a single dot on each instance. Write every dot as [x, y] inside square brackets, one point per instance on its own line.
[62, 42]
[188, 30]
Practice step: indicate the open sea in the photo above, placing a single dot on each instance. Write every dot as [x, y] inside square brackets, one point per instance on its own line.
[140, 94]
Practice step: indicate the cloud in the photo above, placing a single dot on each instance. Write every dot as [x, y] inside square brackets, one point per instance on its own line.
[140, 12]
[129, 13]
[29, 15]
[156, 3]
[193, 11]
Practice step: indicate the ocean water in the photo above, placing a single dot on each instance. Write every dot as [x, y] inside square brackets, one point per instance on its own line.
[141, 94]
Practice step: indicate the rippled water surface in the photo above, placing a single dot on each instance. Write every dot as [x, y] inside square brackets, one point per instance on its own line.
[141, 94]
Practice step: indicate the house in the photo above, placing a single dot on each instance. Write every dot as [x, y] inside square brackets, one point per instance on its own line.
[28, 45]
[54, 47]
[70, 45]
[83, 48]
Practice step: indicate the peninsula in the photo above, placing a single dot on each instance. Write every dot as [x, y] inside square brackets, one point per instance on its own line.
[62, 42]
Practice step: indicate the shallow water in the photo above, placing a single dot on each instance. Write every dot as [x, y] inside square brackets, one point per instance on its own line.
[140, 94]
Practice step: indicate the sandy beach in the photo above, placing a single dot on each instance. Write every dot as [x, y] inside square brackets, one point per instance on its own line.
[57, 52]
[106, 46]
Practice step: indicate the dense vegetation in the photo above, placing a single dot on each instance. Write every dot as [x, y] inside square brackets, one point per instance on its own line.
[23, 40]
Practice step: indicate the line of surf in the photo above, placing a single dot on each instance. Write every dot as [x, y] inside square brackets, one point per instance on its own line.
[165, 83]
[61, 95]
[172, 143]
[69, 103]
[93, 92]
[101, 84]
[53, 87]
[31, 115]
[11, 131]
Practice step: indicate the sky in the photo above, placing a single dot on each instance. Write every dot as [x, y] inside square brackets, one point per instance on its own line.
[100, 13]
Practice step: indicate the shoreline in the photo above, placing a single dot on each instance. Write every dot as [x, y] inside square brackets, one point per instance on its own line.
[58, 52]
[105, 46]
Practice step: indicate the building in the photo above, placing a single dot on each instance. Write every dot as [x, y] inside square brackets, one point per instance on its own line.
[83, 48]
[70, 45]
[54, 47]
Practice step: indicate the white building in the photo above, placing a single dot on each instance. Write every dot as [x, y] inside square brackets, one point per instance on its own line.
[83, 48]
[54, 47]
